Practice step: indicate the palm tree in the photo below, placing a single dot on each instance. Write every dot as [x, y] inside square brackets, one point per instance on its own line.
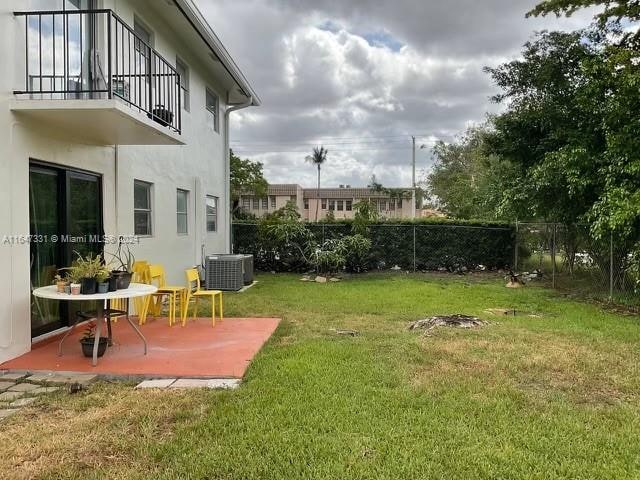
[317, 158]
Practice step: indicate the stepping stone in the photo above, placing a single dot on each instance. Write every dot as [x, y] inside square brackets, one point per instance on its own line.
[41, 377]
[226, 383]
[23, 387]
[190, 383]
[61, 379]
[12, 376]
[22, 402]
[10, 396]
[6, 385]
[157, 383]
[4, 413]
[40, 390]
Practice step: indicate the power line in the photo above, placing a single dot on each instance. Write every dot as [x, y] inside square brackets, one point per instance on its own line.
[324, 139]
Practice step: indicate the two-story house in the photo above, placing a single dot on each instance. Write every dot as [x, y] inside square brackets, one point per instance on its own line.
[114, 120]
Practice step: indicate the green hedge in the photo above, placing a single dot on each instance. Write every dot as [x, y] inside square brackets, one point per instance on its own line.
[439, 243]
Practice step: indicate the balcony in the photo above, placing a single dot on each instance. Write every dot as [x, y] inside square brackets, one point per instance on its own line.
[89, 75]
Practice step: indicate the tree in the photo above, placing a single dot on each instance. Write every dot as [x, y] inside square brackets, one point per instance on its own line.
[552, 130]
[612, 18]
[317, 158]
[245, 176]
[466, 181]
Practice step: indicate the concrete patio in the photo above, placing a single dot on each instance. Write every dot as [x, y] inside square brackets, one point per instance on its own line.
[197, 350]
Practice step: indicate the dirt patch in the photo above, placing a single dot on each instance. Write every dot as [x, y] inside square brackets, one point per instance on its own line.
[455, 320]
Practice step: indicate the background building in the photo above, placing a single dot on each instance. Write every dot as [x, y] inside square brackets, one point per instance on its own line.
[339, 200]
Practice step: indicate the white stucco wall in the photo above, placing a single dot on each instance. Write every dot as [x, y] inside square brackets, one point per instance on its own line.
[197, 167]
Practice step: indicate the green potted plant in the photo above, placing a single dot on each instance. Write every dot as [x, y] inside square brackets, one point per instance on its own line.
[87, 269]
[102, 279]
[88, 339]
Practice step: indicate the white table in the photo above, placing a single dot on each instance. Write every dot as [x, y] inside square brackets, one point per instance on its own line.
[134, 290]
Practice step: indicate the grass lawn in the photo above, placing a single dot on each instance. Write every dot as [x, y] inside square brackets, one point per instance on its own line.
[549, 396]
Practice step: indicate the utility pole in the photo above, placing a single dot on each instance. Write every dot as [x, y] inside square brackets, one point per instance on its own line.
[413, 162]
[413, 177]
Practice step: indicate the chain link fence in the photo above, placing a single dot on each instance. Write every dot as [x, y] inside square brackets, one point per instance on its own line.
[413, 247]
[567, 258]
[570, 259]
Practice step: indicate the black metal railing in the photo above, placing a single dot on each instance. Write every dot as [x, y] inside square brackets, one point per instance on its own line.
[94, 54]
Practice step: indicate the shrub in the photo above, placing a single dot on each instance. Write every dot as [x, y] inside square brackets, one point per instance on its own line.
[439, 243]
[355, 250]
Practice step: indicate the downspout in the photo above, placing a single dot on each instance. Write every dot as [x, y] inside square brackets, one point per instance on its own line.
[227, 168]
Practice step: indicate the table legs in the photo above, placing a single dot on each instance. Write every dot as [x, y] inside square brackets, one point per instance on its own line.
[99, 320]
[137, 330]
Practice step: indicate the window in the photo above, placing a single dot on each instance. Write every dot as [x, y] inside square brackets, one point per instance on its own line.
[256, 203]
[182, 202]
[348, 205]
[142, 208]
[392, 205]
[324, 204]
[143, 32]
[306, 204]
[383, 205]
[272, 199]
[399, 203]
[332, 205]
[265, 203]
[340, 205]
[212, 107]
[212, 213]
[183, 71]
[246, 203]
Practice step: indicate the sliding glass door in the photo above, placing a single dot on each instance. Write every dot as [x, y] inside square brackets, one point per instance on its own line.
[65, 216]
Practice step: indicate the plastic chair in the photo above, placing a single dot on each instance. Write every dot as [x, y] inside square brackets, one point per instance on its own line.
[195, 292]
[173, 293]
[141, 275]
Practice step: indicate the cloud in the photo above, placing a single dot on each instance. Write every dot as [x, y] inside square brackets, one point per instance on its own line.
[361, 76]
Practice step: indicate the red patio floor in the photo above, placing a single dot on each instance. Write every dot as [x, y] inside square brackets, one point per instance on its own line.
[196, 350]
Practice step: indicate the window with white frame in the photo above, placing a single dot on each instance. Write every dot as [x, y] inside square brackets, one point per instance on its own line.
[212, 213]
[273, 201]
[306, 204]
[340, 205]
[246, 203]
[182, 207]
[183, 71]
[213, 107]
[142, 209]
[332, 205]
[255, 201]
[324, 204]
[265, 203]
[348, 205]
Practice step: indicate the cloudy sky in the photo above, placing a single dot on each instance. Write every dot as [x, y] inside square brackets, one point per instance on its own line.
[362, 76]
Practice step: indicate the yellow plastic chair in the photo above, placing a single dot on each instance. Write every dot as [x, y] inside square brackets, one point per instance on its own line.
[140, 304]
[175, 294]
[195, 292]
[141, 275]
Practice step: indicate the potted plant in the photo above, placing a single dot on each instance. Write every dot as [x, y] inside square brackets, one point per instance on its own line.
[61, 283]
[102, 279]
[125, 260]
[113, 281]
[86, 269]
[88, 339]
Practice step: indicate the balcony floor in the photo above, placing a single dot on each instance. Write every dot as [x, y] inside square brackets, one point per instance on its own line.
[197, 350]
[96, 122]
